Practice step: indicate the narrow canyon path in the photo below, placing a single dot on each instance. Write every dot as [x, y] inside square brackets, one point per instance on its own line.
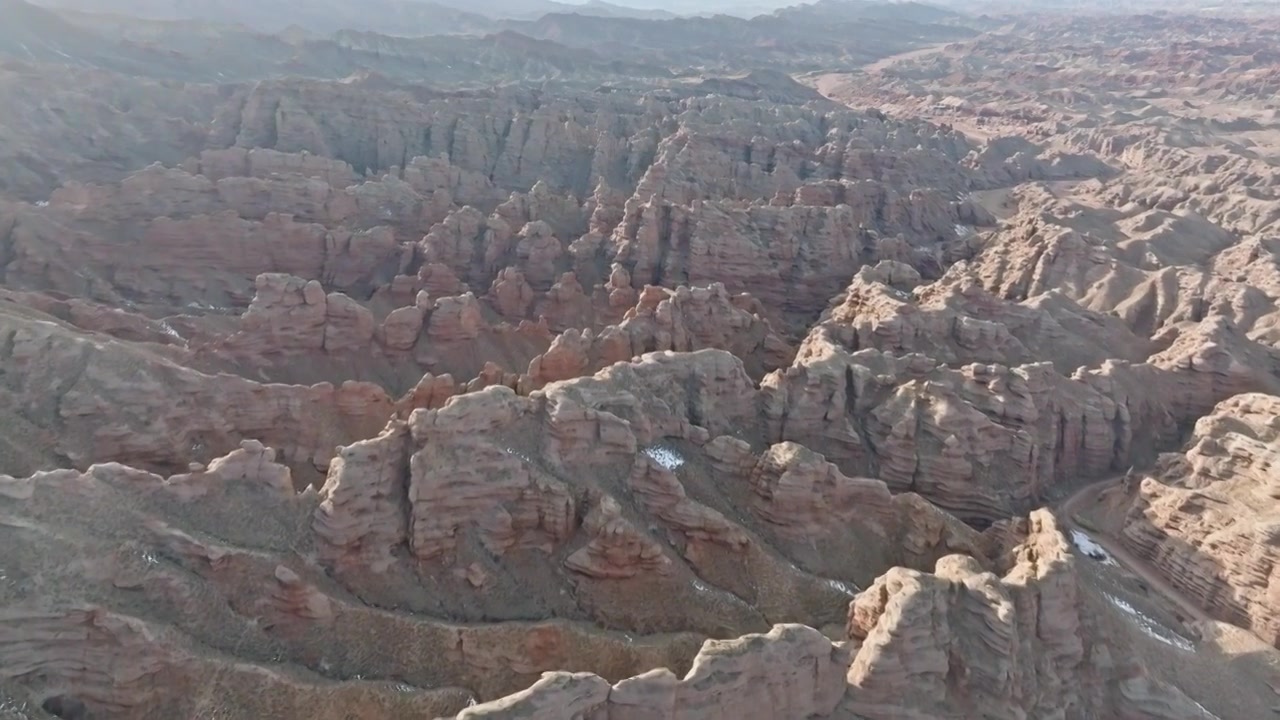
[1157, 583]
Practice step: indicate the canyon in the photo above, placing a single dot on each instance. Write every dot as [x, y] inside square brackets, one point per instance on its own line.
[534, 360]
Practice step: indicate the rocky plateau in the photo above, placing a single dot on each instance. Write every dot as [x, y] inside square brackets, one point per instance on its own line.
[521, 359]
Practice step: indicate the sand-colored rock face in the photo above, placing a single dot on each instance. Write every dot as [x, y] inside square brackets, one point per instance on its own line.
[958, 322]
[1206, 517]
[737, 677]
[683, 320]
[568, 368]
[604, 483]
[476, 515]
[113, 400]
[926, 645]
[150, 550]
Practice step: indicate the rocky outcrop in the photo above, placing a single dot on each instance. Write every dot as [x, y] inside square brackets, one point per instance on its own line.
[98, 318]
[792, 257]
[291, 315]
[83, 648]
[202, 260]
[565, 151]
[1171, 272]
[263, 163]
[960, 436]
[346, 200]
[800, 492]
[923, 645]
[683, 320]
[251, 183]
[733, 676]
[216, 212]
[287, 313]
[116, 401]
[455, 318]
[1005, 161]
[364, 500]
[953, 641]
[1093, 417]
[484, 493]
[292, 328]
[959, 323]
[607, 478]
[400, 329]
[617, 548]
[249, 625]
[758, 157]
[1205, 518]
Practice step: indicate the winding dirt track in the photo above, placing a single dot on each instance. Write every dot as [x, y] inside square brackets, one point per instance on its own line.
[1127, 560]
[827, 83]
[885, 62]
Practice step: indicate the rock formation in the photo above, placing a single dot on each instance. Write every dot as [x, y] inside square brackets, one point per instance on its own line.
[682, 321]
[1204, 518]
[565, 366]
[920, 645]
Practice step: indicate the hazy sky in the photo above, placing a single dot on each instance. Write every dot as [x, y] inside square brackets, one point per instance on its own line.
[328, 15]
[699, 6]
[691, 7]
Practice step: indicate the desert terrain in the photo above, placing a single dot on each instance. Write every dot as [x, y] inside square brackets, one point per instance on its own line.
[526, 359]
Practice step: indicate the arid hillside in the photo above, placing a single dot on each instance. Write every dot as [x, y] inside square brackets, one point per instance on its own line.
[853, 361]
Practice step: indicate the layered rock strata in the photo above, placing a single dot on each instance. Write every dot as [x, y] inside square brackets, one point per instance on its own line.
[1205, 517]
[921, 645]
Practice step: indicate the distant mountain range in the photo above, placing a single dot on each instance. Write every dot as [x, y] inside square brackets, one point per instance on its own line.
[440, 17]
[407, 40]
[400, 17]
